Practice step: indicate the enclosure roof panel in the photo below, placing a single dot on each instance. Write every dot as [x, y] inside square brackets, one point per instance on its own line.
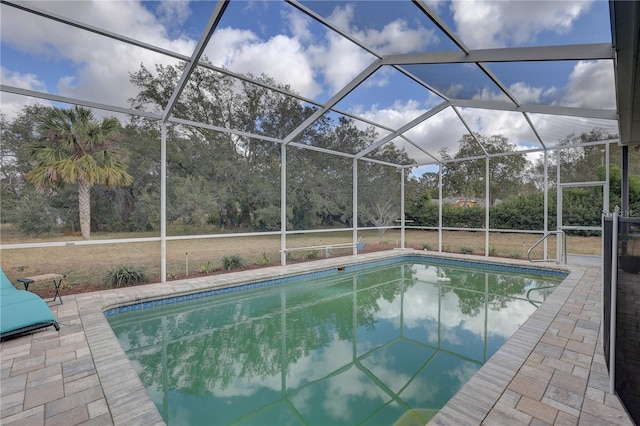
[383, 27]
[398, 98]
[485, 24]
[401, 67]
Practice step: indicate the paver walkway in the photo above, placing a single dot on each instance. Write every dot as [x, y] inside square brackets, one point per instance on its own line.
[550, 372]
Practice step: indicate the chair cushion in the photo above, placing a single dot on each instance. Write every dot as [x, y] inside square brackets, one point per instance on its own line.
[21, 310]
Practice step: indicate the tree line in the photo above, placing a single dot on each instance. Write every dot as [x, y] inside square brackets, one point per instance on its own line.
[67, 168]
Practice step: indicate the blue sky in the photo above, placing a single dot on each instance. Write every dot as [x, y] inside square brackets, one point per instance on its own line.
[274, 38]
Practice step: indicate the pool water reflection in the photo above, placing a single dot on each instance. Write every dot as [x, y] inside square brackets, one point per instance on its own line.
[366, 347]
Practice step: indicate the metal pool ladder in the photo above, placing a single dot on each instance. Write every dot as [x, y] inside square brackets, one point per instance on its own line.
[563, 254]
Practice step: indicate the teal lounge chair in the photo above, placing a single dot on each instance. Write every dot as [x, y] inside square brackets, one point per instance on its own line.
[21, 311]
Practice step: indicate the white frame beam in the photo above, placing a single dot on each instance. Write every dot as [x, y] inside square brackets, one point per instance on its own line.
[574, 52]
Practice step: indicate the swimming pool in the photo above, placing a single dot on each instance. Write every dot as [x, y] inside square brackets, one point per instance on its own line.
[360, 346]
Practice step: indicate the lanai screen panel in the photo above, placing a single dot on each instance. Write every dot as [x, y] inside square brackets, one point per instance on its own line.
[442, 131]
[218, 181]
[340, 133]
[408, 152]
[319, 190]
[169, 26]
[554, 129]
[386, 27]
[227, 102]
[286, 45]
[63, 60]
[458, 81]
[305, 67]
[390, 98]
[491, 24]
[463, 194]
[378, 195]
[513, 127]
[581, 84]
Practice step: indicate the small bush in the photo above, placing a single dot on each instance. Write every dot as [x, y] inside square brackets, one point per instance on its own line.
[206, 268]
[232, 262]
[493, 251]
[515, 255]
[32, 216]
[466, 250]
[426, 246]
[311, 254]
[125, 275]
[264, 260]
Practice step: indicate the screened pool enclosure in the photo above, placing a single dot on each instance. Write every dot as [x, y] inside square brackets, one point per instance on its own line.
[346, 122]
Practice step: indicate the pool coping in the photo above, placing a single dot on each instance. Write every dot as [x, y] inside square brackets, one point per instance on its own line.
[481, 399]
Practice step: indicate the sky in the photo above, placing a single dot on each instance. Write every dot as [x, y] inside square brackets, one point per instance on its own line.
[276, 39]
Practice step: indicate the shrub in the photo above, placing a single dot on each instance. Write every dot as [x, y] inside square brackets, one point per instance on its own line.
[466, 250]
[232, 262]
[426, 246]
[124, 275]
[206, 268]
[311, 254]
[264, 260]
[32, 216]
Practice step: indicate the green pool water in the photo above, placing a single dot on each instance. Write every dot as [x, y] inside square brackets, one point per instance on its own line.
[386, 345]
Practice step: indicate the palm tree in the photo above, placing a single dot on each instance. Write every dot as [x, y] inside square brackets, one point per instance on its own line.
[77, 149]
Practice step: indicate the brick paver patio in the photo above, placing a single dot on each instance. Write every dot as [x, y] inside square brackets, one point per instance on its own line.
[551, 371]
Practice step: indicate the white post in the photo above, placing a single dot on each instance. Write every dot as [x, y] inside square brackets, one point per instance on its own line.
[614, 297]
[486, 208]
[402, 221]
[440, 207]
[354, 199]
[558, 211]
[283, 204]
[545, 255]
[163, 202]
[606, 188]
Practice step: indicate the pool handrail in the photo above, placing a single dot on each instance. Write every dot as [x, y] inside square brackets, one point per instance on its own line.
[563, 254]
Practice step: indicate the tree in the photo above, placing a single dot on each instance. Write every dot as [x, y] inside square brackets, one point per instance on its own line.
[76, 149]
[615, 187]
[466, 178]
[243, 173]
[578, 161]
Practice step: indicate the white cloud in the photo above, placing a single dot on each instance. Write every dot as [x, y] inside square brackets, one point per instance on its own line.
[310, 64]
[226, 42]
[173, 13]
[591, 85]
[339, 61]
[100, 65]
[22, 81]
[522, 91]
[397, 38]
[422, 302]
[442, 130]
[395, 115]
[282, 58]
[299, 25]
[490, 23]
[12, 104]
